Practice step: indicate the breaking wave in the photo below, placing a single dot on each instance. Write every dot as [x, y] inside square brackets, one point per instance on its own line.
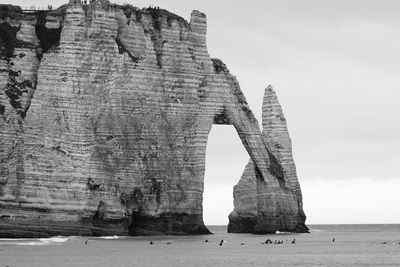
[110, 237]
[58, 240]
[317, 230]
[283, 233]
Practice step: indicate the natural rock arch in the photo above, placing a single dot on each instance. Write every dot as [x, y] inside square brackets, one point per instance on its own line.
[115, 119]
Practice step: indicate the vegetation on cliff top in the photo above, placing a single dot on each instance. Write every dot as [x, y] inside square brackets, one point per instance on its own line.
[13, 12]
[219, 66]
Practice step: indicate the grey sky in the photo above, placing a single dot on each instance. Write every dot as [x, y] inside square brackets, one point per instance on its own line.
[335, 66]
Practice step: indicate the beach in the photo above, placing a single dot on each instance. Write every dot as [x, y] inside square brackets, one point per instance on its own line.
[354, 245]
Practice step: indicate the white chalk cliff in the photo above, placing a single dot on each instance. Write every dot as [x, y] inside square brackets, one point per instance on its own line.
[105, 112]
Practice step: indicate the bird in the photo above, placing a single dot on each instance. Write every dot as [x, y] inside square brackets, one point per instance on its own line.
[169, 243]
[242, 244]
[294, 241]
[151, 242]
[333, 240]
[206, 240]
[220, 243]
[86, 242]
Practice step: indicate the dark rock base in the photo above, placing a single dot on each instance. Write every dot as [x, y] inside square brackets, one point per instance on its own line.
[242, 224]
[260, 225]
[52, 229]
[168, 224]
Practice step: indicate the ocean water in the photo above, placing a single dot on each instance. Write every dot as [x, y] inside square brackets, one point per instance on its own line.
[355, 245]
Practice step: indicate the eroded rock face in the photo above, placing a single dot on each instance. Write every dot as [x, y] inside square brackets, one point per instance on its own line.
[258, 206]
[105, 112]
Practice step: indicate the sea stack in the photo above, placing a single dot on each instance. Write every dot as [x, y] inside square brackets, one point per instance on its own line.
[260, 207]
[105, 112]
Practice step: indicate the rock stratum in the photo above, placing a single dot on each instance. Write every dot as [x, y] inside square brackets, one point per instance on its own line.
[105, 112]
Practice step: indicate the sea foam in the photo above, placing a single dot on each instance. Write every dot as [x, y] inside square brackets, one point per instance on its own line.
[58, 240]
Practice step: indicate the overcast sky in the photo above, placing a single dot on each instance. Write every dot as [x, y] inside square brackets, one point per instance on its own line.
[335, 67]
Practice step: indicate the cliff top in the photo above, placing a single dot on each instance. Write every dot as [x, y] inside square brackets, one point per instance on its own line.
[155, 12]
[16, 12]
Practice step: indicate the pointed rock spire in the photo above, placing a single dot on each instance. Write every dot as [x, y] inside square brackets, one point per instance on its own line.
[264, 213]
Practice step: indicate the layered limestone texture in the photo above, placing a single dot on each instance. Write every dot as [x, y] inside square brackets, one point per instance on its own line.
[258, 206]
[105, 112]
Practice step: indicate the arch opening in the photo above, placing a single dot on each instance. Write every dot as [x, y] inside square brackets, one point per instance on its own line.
[226, 158]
